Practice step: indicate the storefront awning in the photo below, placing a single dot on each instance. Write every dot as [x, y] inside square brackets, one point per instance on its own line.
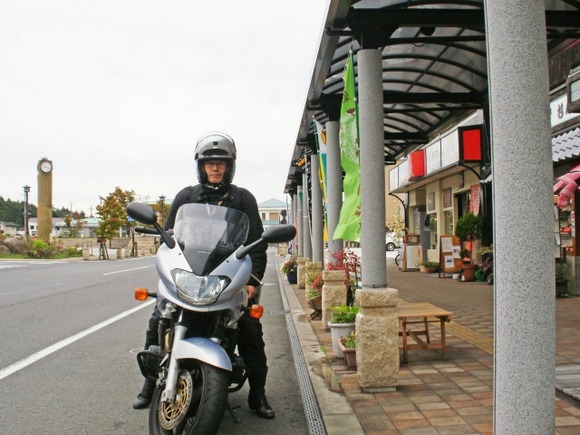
[566, 186]
[566, 146]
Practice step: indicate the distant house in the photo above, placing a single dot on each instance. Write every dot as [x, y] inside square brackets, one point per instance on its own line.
[8, 228]
[272, 212]
[59, 228]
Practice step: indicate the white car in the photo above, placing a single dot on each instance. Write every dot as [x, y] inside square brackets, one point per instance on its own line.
[392, 242]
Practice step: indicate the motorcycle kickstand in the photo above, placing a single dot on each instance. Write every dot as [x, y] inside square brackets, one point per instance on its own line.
[232, 410]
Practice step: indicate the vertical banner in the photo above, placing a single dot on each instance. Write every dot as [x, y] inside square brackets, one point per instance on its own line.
[321, 148]
[348, 227]
[474, 199]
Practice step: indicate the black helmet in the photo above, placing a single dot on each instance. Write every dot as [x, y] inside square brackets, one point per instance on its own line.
[215, 146]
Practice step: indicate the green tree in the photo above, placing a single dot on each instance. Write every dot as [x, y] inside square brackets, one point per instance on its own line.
[13, 211]
[112, 211]
[74, 224]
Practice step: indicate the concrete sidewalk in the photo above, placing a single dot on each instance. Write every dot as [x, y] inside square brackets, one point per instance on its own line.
[435, 396]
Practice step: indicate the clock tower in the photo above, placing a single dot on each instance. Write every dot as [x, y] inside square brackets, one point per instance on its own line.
[44, 199]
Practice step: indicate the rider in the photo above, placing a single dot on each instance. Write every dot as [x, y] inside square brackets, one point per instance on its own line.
[215, 154]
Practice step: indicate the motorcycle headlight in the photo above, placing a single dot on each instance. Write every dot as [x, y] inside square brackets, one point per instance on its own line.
[199, 290]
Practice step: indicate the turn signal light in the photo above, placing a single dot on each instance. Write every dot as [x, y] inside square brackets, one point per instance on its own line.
[141, 294]
[256, 311]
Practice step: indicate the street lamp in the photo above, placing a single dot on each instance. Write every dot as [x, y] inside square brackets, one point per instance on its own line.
[26, 192]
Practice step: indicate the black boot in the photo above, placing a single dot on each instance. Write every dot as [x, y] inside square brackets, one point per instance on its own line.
[257, 398]
[143, 399]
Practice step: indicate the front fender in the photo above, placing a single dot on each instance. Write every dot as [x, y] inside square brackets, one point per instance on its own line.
[204, 350]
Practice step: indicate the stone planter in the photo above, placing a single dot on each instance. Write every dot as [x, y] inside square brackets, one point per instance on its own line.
[349, 355]
[338, 330]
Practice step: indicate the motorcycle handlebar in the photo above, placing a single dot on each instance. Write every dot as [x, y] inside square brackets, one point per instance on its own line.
[145, 230]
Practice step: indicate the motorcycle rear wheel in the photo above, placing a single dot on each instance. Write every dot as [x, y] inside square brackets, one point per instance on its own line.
[199, 406]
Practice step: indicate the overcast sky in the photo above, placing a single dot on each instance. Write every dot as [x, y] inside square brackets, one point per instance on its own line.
[116, 93]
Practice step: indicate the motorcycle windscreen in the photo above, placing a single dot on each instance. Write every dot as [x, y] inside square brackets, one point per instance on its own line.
[208, 234]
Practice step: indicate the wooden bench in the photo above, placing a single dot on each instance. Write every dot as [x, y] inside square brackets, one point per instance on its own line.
[421, 313]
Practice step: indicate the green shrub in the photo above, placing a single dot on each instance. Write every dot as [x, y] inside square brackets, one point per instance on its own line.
[350, 340]
[344, 314]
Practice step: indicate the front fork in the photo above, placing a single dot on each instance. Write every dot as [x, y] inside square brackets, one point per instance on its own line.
[173, 370]
[179, 333]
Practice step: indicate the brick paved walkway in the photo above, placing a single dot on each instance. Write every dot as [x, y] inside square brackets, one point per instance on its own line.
[453, 396]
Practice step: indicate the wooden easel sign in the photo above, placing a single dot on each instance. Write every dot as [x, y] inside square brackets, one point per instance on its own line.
[449, 258]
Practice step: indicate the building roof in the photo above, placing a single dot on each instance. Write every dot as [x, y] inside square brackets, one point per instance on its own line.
[272, 203]
[566, 145]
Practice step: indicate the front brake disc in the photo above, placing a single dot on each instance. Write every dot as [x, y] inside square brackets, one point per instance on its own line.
[173, 413]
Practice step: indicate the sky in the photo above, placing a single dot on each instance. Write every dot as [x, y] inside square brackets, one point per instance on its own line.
[116, 93]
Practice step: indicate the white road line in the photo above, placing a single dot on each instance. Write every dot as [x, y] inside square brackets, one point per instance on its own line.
[127, 270]
[19, 365]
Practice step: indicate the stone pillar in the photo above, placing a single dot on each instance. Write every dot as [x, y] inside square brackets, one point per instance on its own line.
[333, 184]
[306, 230]
[377, 339]
[299, 227]
[524, 354]
[317, 218]
[372, 168]
[333, 293]
[311, 270]
[301, 272]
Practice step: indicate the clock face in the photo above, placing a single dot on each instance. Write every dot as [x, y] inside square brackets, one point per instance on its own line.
[46, 166]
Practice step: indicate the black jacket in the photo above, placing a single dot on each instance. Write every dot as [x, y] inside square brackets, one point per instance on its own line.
[238, 198]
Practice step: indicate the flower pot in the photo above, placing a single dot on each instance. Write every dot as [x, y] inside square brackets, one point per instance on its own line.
[291, 278]
[561, 289]
[338, 330]
[316, 303]
[349, 355]
[468, 271]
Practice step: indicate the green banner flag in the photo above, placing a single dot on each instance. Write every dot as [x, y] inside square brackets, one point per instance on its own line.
[348, 227]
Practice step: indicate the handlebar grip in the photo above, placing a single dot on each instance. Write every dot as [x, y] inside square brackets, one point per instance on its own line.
[145, 230]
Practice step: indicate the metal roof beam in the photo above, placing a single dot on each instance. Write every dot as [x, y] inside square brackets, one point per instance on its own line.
[463, 18]
[404, 136]
[430, 97]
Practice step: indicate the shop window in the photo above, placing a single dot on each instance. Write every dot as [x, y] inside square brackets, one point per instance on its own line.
[448, 222]
[432, 219]
[573, 85]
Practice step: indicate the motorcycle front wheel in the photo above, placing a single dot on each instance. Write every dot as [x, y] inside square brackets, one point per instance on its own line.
[199, 405]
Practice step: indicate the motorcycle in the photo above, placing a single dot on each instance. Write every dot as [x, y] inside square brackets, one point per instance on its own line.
[203, 268]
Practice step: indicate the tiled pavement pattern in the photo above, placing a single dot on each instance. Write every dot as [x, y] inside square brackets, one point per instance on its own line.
[453, 396]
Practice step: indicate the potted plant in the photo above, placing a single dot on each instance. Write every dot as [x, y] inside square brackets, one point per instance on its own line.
[429, 267]
[469, 228]
[348, 347]
[561, 277]
[314, 299]
[290, 268]
[341, 324]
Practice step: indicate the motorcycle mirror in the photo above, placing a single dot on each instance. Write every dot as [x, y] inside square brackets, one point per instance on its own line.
[279, 233]
[141, 212]
[145, 214]
[273, 234]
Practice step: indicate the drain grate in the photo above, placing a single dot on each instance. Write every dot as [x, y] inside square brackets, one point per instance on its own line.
[311, 411]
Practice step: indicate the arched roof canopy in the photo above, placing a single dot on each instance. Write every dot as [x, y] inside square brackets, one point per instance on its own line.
[434, 64]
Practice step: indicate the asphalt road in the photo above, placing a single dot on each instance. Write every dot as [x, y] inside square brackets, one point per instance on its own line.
[69, 333]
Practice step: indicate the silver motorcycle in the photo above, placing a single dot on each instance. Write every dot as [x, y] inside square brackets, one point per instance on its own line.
[203, 268]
